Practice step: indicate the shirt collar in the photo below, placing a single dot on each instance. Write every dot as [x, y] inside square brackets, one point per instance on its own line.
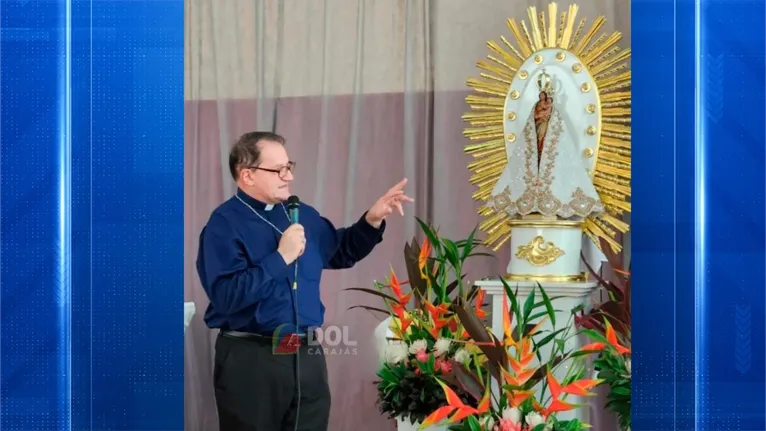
[255, 203]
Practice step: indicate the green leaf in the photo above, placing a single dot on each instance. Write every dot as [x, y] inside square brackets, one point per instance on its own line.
[431, 363]
[473, 423]
[580, 353]
[431, 235]
[620, 391]
[512, 299]
[560, 344]
[451, 252]
[550, 337]
[469, 245]
[548, 305]
[528, 306]
[537, 315]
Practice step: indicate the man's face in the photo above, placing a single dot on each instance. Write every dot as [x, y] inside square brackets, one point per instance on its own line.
[266, 185]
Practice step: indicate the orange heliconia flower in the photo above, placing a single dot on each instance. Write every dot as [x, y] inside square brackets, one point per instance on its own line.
[400, 312]
[611, 338]
[579, 387]
[397, 289]
[437, 314]
[454, 405]
[425, 252]
[507, 328]
[480, 313]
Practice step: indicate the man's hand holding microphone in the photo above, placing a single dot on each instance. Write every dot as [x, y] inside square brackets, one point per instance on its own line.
[293, 243]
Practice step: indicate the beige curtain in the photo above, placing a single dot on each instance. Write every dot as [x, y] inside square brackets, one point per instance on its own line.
[366, 92]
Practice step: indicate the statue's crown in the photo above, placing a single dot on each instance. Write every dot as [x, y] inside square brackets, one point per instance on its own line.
[544, 83]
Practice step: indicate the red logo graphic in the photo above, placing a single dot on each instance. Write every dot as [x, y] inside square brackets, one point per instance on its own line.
[287, 344]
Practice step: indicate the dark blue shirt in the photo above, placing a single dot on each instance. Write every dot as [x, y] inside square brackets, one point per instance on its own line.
[246, 279]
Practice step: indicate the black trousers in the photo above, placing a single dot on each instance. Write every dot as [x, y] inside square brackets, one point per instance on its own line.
[256, 389]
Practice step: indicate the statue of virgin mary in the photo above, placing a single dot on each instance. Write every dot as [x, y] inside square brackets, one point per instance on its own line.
[545, 174]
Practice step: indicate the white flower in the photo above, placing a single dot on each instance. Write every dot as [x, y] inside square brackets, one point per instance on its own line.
[462, 355]
[396, 352]
[627, 366]
[534, 419]
[417, 346]
[490, 423]
[512, 414]
[442, 346]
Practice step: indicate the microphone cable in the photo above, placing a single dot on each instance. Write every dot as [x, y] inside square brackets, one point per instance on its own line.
[292, 205]
[298, 350]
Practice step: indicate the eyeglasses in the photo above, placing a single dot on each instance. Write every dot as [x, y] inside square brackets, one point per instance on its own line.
[281, 172]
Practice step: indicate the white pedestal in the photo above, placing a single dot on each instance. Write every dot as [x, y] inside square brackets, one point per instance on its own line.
[570, 295]
[382, 334]
[545, 249]
[189, 310]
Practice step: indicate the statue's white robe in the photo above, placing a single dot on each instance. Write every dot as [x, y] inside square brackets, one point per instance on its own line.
[561, 187]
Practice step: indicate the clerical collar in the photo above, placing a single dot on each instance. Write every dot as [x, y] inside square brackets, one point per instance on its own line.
[254, 203]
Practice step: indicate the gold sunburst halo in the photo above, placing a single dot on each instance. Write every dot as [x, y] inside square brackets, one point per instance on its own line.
[607, 62]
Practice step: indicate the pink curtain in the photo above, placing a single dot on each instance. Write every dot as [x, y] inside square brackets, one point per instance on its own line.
[366, 92]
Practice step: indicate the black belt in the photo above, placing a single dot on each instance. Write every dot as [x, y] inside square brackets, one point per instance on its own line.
[270, 337]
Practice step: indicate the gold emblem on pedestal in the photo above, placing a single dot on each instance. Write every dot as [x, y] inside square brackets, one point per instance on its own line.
[596, 52]
[539, 253]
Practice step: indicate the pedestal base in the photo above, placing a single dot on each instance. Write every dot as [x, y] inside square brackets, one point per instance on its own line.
[568, 296]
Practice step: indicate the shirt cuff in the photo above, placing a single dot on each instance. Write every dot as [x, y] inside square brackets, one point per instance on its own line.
[274, 265]
[369, 230]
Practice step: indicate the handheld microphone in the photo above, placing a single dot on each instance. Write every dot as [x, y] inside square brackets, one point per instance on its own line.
[293, 203]
[292, 206]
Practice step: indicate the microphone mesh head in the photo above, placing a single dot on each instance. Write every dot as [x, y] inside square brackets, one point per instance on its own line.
[293, 202]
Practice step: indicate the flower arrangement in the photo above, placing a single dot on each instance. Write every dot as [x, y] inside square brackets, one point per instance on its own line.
[517, 364]
[608, 324]
[422, 350]
[429, 343]
[613, 368]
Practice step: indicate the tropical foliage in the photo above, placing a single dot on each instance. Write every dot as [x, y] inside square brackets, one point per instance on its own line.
[527, 355]
[429, 341]
[609, 324]
[613, 367]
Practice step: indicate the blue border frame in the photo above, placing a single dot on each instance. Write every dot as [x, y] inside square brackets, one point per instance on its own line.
[91, 232]
[698, 215]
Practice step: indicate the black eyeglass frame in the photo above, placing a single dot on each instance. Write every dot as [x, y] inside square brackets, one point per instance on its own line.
[281, 172]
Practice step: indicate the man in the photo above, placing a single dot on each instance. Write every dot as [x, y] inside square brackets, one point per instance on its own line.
[261, 273]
